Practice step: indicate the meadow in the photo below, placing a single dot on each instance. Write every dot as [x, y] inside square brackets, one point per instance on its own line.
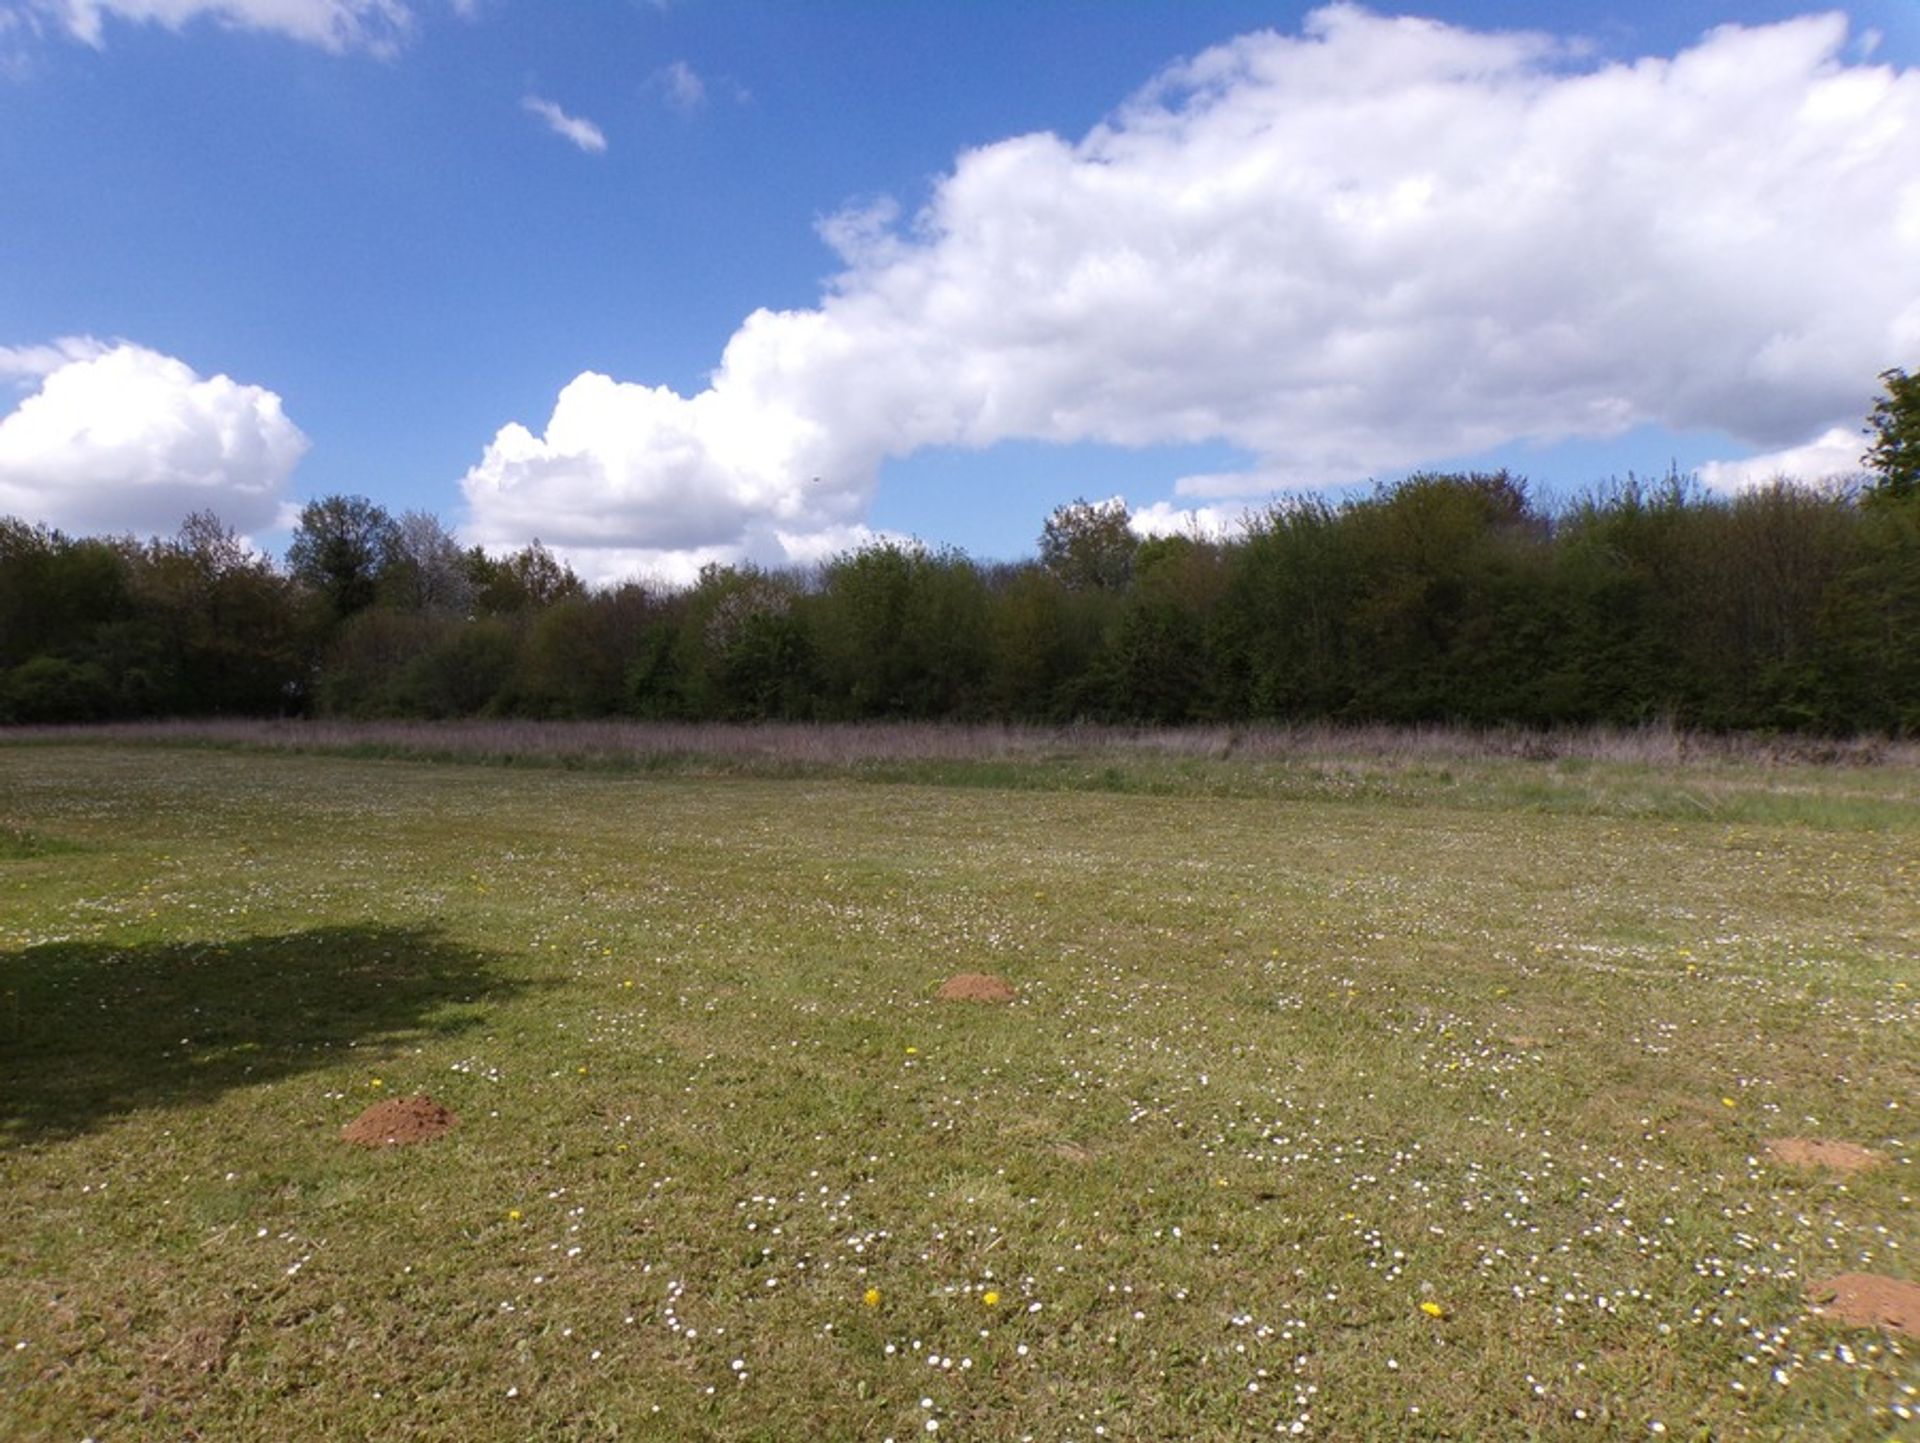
[1353, 1090]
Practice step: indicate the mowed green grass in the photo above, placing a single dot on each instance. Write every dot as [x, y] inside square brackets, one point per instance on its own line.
[1335, 1109]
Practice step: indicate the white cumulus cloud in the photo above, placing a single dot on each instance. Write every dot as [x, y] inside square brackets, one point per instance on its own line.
[121, 439]
[1375, 243]
[583, 133]
[1834, 453]
[379, 26]
[1207, 523]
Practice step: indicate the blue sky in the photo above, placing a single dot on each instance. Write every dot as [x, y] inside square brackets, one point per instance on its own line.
[256, 251]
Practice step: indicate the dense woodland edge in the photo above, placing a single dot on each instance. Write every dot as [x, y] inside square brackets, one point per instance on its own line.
[1443, 598]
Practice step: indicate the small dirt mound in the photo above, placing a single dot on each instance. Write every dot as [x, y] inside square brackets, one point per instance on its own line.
[976, 987]
[1819, 1152]
[1868, 1300]
[398, 1122]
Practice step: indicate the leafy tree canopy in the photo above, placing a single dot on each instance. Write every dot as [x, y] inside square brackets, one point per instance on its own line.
[1090, 545]
[340, 546]
[1894, 424]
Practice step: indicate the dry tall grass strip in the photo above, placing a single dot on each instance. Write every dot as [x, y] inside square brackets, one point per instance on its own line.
[851, 743]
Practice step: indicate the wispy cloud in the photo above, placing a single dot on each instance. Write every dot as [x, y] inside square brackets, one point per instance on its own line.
[379, 26]
[681, 87]
[35, 363]
[582, 132]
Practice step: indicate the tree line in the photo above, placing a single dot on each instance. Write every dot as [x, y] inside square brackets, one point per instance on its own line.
[1441, 598]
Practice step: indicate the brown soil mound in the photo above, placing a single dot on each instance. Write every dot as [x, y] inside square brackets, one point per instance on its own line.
[1868, 1300]
[399, 1121]
[1818, 1152]
[976, 987]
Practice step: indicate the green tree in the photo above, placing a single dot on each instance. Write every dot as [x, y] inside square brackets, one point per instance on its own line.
[1438, 631]
[1870, 667]
[1894, 424]
[1161, 660]
[369, 667]
[742, 650]
[53, 689]
[1089, 545]
[1769, 563]
[225, 619]
[902, 632]
[1619, 558]
[1044, 640]
[1288, 608]
[524, 580]
[341, 545]
[56, 591]
[464, 671]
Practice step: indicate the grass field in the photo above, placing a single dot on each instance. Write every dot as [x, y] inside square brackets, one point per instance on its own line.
[1343, 1098]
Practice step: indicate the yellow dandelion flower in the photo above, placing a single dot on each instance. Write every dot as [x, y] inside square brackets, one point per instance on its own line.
[1433, 1309]
[1728, 1102]
[990, 1298]
[871, 1297]
[376, 1083]
[513, 1215]
[913, 1052]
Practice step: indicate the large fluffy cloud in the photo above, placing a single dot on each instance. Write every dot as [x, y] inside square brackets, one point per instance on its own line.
[376, 25]
[1374, 244]
[116, 439]
[1834, 454]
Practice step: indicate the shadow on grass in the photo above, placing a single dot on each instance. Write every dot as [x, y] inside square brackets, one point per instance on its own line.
[89, 1032]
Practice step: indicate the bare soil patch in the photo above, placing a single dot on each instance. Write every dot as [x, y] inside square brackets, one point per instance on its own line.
[1868, 1300]
[399, 1122]
[1822, 1152]
[976, 987]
